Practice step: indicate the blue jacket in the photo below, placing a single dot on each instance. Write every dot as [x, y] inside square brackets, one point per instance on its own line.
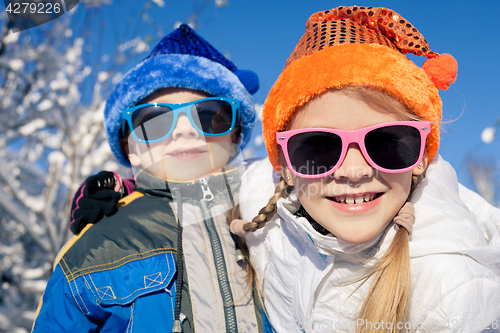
[120, 274]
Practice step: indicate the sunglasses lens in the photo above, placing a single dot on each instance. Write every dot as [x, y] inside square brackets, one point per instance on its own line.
[314, 153]
[394, 147]
[212, 117]
[152, 122]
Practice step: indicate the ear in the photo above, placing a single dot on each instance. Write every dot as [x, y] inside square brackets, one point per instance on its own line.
[236, 134]
[423, 166]
[285, 171]
[288, 176]
[132, 157]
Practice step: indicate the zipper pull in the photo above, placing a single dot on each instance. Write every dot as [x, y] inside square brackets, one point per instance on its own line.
[207, 194]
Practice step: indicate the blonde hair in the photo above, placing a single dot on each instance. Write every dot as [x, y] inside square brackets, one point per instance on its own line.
[388, 297]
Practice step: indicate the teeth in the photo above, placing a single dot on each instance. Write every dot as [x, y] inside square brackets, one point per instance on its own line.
[355, 200]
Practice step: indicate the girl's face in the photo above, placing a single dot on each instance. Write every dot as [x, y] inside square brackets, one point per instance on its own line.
[357, 202]
[186, 154]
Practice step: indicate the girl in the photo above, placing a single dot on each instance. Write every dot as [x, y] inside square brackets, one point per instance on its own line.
[352, 126]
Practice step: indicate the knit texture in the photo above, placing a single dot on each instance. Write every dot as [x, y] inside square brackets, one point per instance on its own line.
[374, 66]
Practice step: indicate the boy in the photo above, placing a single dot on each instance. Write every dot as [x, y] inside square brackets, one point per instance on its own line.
[166, 260]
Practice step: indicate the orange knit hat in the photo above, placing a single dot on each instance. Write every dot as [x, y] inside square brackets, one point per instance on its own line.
[351, 46]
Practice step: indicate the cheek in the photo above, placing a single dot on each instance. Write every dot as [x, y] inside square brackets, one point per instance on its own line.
[220, 153]
[229, 138]
[307, 189]
[400, 183]
[146, 152]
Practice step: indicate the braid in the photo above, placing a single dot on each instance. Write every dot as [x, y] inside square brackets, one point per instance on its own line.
[268, 211]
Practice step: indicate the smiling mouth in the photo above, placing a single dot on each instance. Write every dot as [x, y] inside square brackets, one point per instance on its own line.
[355, 199]
[186, 152]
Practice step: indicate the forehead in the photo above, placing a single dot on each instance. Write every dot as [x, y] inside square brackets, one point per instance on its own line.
[338, 110]
[174, 96]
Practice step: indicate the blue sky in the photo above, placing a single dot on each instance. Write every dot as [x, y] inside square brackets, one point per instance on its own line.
[260, 34]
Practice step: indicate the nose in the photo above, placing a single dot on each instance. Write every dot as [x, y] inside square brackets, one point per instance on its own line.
[354, 167]
[184, 128]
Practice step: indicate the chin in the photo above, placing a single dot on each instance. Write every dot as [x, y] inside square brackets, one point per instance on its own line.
[356, 237]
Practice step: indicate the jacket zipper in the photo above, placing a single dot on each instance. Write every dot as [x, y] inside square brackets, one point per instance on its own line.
[220, 263]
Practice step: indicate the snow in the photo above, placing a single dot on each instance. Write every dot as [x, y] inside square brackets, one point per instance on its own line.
[111, 166]
[86, 71]
[73, 54]
[33, 286]
[116, 78]
[32, 126]
[222, 3]
[141, 47]
[34, 203]
[105, 58]
[62, 101]
[11, 38]
[488, 134]
[56, 157]
[59, 84]
[35, 97]
[258, 111]
[102, 76]
[160, 3]
[45, 105]
[33, 273]
[16, 64]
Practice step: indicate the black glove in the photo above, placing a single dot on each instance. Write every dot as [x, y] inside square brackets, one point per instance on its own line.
[97, 197]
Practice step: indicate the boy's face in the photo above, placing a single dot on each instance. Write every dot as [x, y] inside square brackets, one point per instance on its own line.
[186, 154]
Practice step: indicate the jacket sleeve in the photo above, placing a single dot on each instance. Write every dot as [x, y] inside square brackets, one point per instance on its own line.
[454, 294]
[59, 310]
[471, 308]
[486, 215]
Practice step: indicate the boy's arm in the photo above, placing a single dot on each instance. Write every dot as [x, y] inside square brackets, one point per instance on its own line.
[96, 197]
[59, 310]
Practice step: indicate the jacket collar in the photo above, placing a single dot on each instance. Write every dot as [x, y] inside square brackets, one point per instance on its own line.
[327, 245]
[223, 185]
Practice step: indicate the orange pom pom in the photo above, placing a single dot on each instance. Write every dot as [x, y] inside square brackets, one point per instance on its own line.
[442, 70]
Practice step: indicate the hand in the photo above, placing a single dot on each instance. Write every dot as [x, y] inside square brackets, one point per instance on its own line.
[97, 197]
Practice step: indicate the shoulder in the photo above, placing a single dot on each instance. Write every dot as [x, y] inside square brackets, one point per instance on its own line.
[143, 227]
[444, 223]
[453, 286]
[486, 215]
[257, 186]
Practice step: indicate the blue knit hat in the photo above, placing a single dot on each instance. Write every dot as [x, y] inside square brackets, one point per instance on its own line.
[185, 60]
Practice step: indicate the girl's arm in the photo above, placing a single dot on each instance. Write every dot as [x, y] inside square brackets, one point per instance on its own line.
[97, 197]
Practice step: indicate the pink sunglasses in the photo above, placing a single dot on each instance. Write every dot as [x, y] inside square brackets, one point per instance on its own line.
[389, 147]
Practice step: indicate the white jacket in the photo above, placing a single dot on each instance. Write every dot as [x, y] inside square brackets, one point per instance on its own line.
[455, 261]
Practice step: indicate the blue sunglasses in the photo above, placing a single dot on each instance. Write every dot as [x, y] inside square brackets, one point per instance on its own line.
[153, 122]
